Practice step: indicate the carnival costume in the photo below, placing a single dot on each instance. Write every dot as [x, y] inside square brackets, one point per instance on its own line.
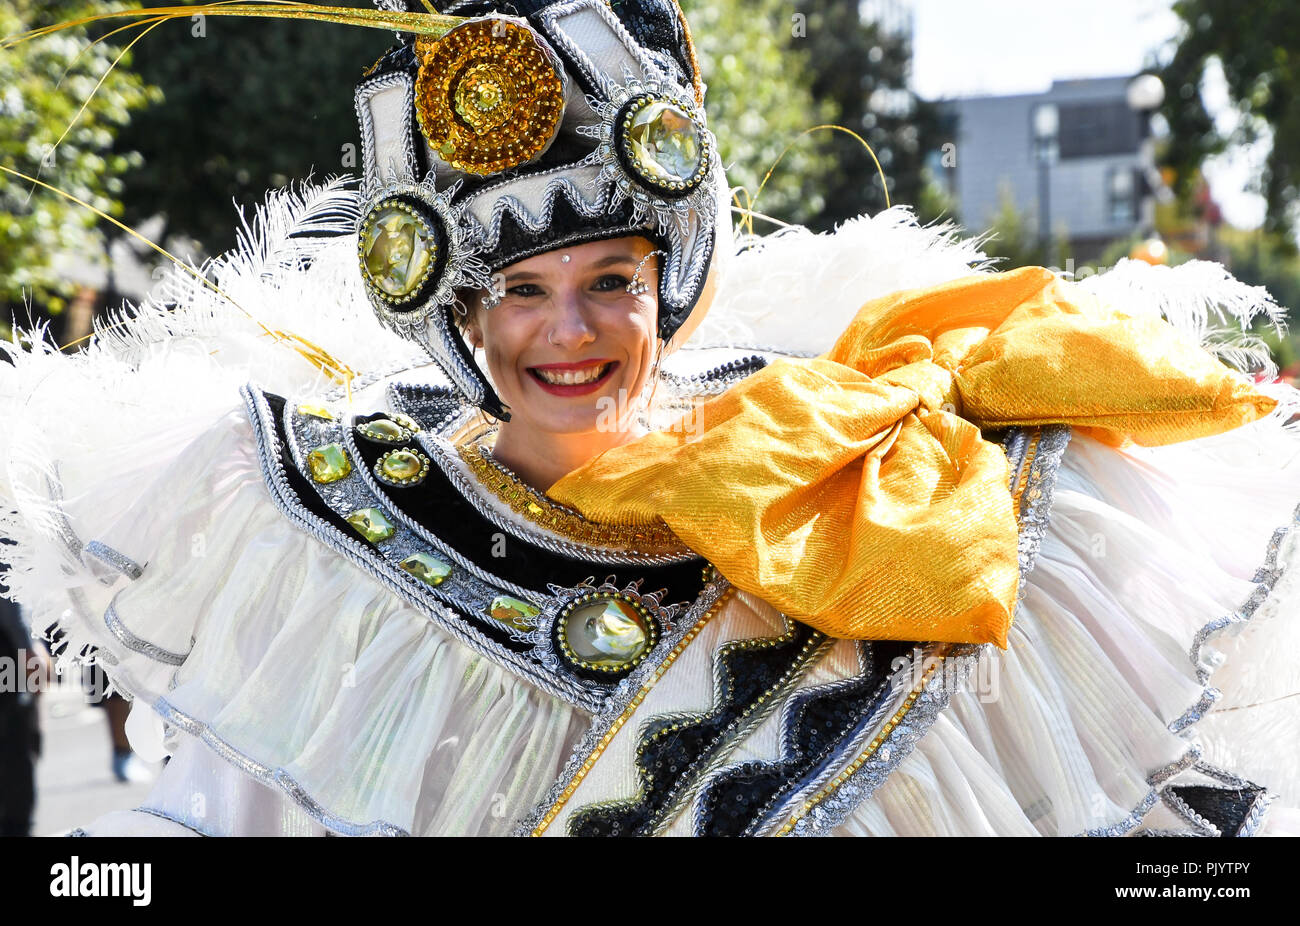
[913, 548]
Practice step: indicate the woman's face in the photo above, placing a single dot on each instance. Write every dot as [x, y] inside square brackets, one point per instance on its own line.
[569, 349]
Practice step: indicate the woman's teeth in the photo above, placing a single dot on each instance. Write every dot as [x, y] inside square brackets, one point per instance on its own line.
[572, 377]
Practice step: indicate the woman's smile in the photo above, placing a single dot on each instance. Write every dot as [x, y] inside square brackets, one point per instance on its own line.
[573, 379]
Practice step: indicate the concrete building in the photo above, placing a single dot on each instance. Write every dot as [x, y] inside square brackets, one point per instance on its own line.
[1071, 159]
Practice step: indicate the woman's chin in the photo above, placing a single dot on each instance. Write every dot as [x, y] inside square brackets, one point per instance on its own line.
[603, 410]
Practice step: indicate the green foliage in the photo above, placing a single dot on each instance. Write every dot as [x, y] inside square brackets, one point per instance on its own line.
[759, 102]
[1015, 239]
[41, 89]
[861, 71]
[775, 70]
[1266, 259]
[250, 104]
[1258, 45]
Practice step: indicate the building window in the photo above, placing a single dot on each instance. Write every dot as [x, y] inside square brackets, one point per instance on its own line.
[1090, 130]
[1121, 186]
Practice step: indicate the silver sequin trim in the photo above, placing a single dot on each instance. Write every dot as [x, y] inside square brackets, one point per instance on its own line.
[1130, 822]
[110, 557]
[272, 776]
[136, 644]
[1265, 578]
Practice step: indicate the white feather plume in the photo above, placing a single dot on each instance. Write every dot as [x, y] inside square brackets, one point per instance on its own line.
[96, 426]
[795, 291]
[1201, 299]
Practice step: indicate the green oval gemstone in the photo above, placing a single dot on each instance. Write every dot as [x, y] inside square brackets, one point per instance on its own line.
[372, 524]
[397, 250]
[401, 464]
[428, 569]
[385, 430]
[512, 611]
[607, 632]
[664, 142]
[329, 463]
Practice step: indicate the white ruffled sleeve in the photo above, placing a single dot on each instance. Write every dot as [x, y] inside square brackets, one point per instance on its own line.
[295, 692]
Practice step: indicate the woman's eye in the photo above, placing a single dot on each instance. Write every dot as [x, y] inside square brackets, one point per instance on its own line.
[611, 282]
[525, 290]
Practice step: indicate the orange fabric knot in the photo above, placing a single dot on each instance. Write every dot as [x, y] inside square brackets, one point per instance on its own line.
[854, 491]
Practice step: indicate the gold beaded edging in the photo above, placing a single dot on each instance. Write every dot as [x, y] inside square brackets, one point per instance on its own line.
[672, 187]
[415, 480]
[535, 507]
[876, 742]
[431, 234]
[652, 632]
[633, 705]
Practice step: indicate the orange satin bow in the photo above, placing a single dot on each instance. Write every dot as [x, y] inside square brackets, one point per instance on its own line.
[854, 491]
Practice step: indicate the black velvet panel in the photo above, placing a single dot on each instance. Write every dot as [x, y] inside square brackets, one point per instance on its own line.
[818, 727]
[1226, 808]
[666, 757]
[439, 507]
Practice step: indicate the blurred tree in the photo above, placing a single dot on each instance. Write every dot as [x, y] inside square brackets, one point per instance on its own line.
[41, 89]
[1014, 238]
[1258, 46]
[250, 104]
[758, 98]
[861, 69]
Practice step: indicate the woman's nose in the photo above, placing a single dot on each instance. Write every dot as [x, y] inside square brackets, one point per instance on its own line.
[571, 328]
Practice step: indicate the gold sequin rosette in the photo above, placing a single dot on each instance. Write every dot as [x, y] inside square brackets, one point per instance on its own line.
[488, 96]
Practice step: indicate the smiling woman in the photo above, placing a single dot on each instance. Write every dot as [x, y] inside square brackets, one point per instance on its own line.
[570, 349]
[952, 554]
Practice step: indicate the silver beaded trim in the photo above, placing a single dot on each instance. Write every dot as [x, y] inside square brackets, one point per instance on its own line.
[136, 644]
[1202, 826]
[1255, 819]
[110, 557]
[275, 777]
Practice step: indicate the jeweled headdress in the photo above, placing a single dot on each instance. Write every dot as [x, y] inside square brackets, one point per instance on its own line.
[524, 127]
